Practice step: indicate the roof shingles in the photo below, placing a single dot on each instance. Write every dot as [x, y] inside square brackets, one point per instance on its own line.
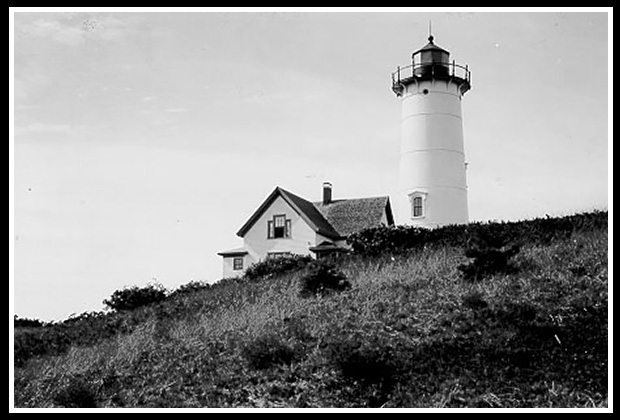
[353, 215]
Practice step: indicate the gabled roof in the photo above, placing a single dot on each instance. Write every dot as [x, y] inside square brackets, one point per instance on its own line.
[352, 215]
[335, 220]
[304, 208]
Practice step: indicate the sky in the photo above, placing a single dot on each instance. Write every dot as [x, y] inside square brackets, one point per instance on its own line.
[142, 141]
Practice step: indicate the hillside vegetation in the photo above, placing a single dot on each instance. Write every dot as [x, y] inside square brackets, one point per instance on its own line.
[400, 323]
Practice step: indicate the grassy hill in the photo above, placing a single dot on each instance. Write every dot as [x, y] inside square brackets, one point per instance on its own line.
[410, 331]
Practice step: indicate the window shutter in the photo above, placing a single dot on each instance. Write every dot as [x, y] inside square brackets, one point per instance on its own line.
[288, 232]
[270, 229]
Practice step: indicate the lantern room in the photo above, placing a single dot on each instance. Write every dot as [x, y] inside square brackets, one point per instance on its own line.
[430, 60]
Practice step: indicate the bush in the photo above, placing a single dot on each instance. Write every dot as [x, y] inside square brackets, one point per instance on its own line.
[321, 278]
[369, 358]
[490, 255]
[401, 239]
[26, 322]
[487, 261]
[267, 351]
[271, 267]
[77, 394]
[362, 356]
[395, 239]
[474, 300]
[135, 297]
[191, 287]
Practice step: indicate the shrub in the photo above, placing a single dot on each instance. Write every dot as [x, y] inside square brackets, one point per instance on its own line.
[191, 287]
[490, 254]
[56, 337]
[271, 267]
[266, 351]
[474, 300]
[487, 261]
[322, 277]
[400, 239]
[395, 239]
[360, 357]
[135, 297]
[26, 322]
[369, 358]
[77, 394]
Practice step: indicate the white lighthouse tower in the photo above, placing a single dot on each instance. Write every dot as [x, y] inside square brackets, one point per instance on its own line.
[432, 188]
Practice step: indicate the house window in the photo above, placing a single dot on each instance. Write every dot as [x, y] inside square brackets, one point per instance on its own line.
[238, 263]
[279, 227]
[417, 205]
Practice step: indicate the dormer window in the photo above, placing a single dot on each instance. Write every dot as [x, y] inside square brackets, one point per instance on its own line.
[279, 227]
[418, 205]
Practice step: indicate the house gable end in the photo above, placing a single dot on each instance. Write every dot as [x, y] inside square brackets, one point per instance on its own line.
[258, 213]
[303, 208]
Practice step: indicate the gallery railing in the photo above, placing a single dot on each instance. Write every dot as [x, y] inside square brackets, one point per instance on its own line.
[423, 71]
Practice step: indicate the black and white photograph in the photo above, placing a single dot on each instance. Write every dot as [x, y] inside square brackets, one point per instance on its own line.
[310, 209]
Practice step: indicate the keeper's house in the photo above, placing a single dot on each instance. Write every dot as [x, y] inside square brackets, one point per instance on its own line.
[287, 224]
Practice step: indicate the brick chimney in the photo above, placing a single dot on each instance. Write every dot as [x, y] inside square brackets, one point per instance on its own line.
[327, 192]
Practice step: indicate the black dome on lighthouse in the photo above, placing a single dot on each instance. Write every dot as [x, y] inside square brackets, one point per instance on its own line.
[431, 46]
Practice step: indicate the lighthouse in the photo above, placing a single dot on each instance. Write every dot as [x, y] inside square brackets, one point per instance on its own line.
[432, 185]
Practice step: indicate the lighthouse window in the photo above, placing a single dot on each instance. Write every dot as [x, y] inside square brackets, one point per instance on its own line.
[417, 205]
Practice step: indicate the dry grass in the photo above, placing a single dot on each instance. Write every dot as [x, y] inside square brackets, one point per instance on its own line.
[403, 314]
